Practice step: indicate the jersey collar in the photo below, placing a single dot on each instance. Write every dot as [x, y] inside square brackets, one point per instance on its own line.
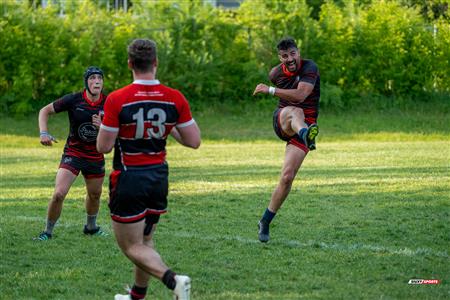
[146, 82]
[289, 73]
[91, 103]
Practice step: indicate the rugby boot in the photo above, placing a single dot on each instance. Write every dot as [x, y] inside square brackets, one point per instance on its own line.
[263, 231]
[308, 136]
[126, 296]
[43, 236]
[96, 231]
[182, 289]
[313, 131]
[122, 297]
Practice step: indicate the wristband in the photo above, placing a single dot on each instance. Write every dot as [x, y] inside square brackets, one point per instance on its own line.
[45, 133]
[272, 90]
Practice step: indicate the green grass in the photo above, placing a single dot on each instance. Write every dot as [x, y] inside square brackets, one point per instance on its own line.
[369, 210]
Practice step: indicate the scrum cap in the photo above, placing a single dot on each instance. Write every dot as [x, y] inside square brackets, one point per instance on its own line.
[91, 71]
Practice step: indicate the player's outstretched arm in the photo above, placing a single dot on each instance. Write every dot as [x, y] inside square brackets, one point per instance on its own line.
[44, 113]
[188, 136]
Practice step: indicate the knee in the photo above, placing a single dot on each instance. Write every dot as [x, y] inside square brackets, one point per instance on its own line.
[298, 112]
[59, 196]
[127, 250]
[95, 195]
[287, 177]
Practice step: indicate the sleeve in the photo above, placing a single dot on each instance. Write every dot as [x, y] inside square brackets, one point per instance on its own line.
[184, 111]
[64, 103]
[111, 110]
[310, 73]
[273, 75]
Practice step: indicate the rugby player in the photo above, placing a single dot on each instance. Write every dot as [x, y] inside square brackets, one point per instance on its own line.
[80, 154]
[138, 119]
[297, 85]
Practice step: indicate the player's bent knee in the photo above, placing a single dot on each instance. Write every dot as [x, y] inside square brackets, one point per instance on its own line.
[298, 112]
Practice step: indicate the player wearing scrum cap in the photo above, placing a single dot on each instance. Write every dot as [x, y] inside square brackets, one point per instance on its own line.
[80, 154]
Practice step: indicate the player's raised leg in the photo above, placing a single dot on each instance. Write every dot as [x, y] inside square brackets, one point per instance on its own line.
[292, 121]
[63, 182]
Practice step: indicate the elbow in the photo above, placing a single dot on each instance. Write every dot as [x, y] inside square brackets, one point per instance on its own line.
[299, 98]
[195, 144]
[101, 148]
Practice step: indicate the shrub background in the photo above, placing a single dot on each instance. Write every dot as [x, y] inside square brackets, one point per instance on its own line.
[364, 51]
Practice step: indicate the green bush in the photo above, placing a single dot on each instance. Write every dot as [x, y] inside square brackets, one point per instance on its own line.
[218, 56]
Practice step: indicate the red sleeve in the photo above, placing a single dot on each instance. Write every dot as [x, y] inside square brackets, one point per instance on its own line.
[112, 110]
[184, 111]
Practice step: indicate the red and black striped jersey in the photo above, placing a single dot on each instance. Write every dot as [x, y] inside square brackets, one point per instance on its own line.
[308, 72]
[143, 113]
[81, 141]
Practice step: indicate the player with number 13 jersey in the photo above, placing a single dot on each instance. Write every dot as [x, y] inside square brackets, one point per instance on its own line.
[144, 113]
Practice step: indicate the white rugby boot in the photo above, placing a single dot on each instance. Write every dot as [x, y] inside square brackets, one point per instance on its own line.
[182, 289]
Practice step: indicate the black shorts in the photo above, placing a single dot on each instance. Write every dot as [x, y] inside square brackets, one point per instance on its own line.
[89, 169]
[138, 193]
[293, 140]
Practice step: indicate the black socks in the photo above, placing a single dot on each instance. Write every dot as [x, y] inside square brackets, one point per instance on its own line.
[138, 293]
[169, 279]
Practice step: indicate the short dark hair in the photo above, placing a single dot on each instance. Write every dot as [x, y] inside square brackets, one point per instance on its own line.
[286, 43]
[142, 55]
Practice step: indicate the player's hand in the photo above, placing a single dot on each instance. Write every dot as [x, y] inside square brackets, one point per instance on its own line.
[97, 120]
[261, 89]
[47, 139]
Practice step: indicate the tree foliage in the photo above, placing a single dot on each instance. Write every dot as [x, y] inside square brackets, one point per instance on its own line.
[216, 55]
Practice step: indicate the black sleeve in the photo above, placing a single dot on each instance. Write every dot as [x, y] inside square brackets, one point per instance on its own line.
[310, 73]
[64, 103]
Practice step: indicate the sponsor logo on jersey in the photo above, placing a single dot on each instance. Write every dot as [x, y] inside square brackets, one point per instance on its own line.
[88, 132]
[67, 160]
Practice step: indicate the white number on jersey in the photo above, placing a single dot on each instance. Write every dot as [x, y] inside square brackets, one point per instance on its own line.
[157, 118]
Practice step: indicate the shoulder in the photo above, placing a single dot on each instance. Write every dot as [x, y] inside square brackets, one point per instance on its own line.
[309, 65]
[69, 99]
[276, 72]
[73, 96]
[121, 93]
[173, 93]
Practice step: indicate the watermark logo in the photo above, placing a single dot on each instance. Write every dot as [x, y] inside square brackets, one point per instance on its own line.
[424, 281]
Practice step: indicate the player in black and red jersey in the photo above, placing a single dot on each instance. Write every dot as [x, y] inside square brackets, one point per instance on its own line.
[297, 85]
[80, 154]
[138, 119]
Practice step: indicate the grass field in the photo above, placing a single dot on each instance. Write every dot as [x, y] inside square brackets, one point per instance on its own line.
[369, 211]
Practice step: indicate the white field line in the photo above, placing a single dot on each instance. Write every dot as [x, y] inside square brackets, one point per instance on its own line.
[321, 245]
[283, 242]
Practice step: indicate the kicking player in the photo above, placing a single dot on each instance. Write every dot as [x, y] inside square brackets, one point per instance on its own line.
[138, 119]
[297, 85]
[80, 154]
